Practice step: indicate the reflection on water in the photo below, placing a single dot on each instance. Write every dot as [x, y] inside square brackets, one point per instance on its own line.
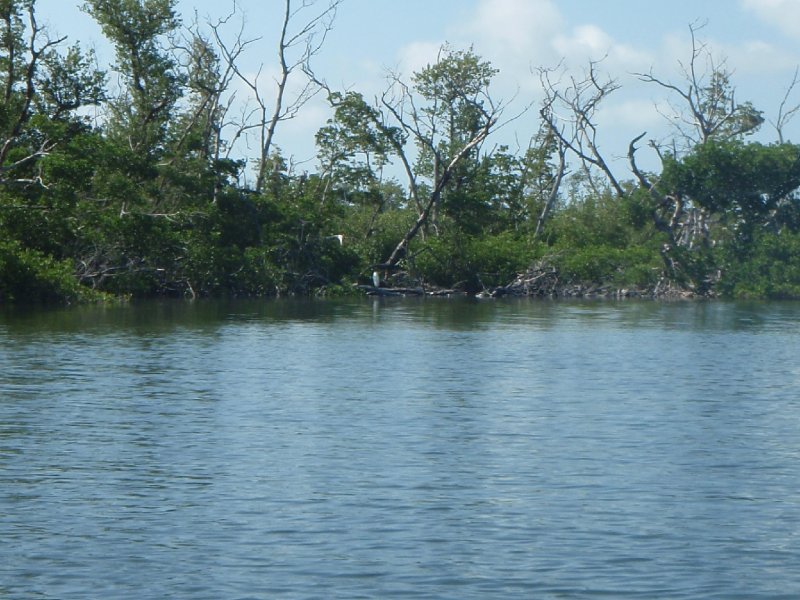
[413, 448]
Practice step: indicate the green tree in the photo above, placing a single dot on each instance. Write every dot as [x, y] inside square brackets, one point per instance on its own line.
[355, 146]
[152, 80]
[455, 107]
[40, 88]
[46, 154]
[743, 186]
[447, 113]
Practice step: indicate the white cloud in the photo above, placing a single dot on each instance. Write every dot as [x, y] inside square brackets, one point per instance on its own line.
[516, 36]
[521, 35]
[515, 28]
[513, 35]
[418, 55]
[742, 56]
[758, 57]
[304, 127]
[783, 14]
[590, 42]
[637, 114]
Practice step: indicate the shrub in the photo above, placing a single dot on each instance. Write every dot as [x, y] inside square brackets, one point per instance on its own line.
[771, 268]
[29, 276]
[637, 266]
[473, 262]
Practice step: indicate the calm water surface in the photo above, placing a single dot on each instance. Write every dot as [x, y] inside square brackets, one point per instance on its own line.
[401, 449]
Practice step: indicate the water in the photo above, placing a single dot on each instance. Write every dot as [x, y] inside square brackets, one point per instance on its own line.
[401, 449]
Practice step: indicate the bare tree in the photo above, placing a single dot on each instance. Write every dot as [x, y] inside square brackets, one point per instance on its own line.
[552, 196]
[433, 126]
[707, 111]
[209, 65]
[708, 106]
[570, 111]
[684, 224]
[302, 35]
[442, 178]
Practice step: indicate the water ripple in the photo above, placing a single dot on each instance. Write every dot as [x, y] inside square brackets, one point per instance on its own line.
[401, 450]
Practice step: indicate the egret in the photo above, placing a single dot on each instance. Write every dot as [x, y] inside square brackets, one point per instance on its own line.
[338, 236]
[376, 279]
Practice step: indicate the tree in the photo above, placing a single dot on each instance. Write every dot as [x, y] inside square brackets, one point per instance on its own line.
[708, 114]
[354, 146]
[543, 177]
[743, 185]
[569, 112]
[302, 35]
[708, 108]
[43, 87]
[198, 153]
[722, 194]
[38, 85]
[786, 111]
[152, 82]
[448, 113]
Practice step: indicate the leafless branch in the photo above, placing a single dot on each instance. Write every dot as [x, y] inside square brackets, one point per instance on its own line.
[708, 106]
[569, 111]
[443, 179]
[296, 48]
[786, 113]
[38, 44]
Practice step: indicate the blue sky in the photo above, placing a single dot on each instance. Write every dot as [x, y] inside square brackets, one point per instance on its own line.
[759, 38]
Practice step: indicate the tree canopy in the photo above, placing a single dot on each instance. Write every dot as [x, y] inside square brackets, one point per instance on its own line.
[149, 199]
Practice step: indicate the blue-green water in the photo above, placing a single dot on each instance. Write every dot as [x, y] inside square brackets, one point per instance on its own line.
[401, 449]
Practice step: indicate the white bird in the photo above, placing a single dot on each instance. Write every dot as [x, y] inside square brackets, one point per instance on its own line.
[338, 236]
[376, 279]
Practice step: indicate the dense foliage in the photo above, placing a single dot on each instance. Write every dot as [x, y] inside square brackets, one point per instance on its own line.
[148, 199]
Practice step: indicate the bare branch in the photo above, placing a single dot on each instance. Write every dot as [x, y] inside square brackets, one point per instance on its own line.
[443, 179]
[22, 115]
[576, 128]
[554, 188]
[296, 47]
[321, 25]
[708, 104]
[786, 114]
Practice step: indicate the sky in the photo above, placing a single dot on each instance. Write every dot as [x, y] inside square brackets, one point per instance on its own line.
[759, 39]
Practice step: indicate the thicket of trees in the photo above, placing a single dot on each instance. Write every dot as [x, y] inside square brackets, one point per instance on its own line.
[151, 199]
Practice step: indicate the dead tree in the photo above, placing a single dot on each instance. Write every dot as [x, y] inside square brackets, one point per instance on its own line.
[443, 176]
[552, 195]
[303, 33]
[570, 110]
[662, 203]
[445, 116]
[708, 108]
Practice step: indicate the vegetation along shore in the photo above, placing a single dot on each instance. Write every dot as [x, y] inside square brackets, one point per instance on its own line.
[133, 189]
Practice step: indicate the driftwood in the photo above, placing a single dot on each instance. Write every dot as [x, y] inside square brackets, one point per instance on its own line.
[371, 290]
[543, 280]
[540, 280]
